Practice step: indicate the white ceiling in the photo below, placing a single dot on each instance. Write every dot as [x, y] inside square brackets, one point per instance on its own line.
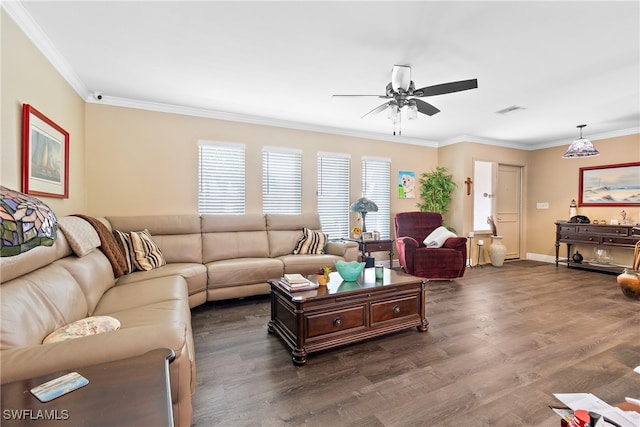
[566, 63]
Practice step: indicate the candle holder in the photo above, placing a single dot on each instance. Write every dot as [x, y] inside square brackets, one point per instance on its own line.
[480, 246]
[470, 257]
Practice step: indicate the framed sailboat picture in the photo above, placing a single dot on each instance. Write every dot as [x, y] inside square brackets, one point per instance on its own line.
[45, 155]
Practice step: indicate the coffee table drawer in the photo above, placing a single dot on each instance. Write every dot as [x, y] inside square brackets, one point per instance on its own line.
[335, 321]
[394, 309]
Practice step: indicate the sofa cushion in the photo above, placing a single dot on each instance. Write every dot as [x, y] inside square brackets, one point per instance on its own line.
[82, 237]
[82, 328]
[307, 264]
[194, 274]
[284, 231]
[36, 304]
[311, 242]
[437, 237]
[241, 271]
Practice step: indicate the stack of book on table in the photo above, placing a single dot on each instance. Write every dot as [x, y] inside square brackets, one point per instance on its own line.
[297, 282]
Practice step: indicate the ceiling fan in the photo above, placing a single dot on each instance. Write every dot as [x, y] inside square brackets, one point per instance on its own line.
[402, 92]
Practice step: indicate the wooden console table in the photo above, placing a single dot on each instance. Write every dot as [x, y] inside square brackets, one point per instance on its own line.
[620, 236]
[127, 392]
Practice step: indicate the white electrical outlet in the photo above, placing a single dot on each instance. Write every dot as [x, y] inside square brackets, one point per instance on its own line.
[542, 205]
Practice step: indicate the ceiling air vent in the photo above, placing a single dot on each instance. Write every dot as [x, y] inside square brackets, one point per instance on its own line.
[511, 109]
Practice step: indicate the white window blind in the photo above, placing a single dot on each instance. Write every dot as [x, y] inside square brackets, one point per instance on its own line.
[333, 193]
[376, 186]
[281, 180]
[221, 178]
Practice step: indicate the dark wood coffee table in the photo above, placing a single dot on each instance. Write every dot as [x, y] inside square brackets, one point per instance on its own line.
[346, 312]
[127, 392]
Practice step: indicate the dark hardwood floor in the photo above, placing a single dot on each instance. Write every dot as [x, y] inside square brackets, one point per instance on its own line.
[500, 342]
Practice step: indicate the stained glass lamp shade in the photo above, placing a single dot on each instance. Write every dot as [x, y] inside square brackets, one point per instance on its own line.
[362, 206]
[581, 147]
[25, 222]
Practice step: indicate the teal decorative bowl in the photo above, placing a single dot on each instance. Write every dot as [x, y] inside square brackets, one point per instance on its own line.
[349, 271]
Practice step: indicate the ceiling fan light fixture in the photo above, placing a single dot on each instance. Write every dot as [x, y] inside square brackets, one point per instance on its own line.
[412, 111]
[401, 77]
[393, 112]
[581, 147]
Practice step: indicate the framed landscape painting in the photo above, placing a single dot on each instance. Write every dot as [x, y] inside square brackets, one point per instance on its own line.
[610, 185]
[45, 155]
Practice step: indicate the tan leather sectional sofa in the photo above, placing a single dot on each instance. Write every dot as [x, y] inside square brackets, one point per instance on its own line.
[208, 258]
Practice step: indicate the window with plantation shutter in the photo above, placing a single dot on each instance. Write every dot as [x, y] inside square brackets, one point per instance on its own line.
[376, 186]
[221, 178]
[333, 193]
[281, 180]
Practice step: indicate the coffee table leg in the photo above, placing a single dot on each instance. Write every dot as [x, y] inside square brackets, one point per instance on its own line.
[424, 325]
[299, 357]
[270, 327]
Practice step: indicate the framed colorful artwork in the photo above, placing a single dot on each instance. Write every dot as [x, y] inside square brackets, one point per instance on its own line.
[610, 185]
[406, 185]
[45, 155]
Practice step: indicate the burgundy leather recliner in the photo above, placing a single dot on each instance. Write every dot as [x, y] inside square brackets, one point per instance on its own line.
[447, 262]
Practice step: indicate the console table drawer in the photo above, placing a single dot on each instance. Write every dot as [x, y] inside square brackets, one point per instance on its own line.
[335, 321]
[394, 309]
[617, 241]
[586, 238]
[591, 229]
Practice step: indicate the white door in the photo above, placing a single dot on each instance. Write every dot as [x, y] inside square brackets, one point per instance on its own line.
[508, 201]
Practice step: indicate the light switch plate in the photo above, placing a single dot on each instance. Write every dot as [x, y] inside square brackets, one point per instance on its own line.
[542, 205]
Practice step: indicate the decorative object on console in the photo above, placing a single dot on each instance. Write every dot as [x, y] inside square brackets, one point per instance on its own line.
[349, 270]
[45, 155]
[25, 222]
[362, 206]
[573, 209]
[580, 147]
[577, 257]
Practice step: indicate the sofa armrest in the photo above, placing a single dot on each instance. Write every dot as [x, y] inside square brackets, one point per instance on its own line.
[346, 249]
[455, 243]
[28, 362]
[406, 247]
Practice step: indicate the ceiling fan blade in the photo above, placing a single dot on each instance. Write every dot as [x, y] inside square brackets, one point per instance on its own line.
[376, 110]
[425, 108]
[351, 96]
[443, 88]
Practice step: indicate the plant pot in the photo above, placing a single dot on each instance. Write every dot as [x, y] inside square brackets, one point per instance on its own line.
[629, 282]
[497, 251]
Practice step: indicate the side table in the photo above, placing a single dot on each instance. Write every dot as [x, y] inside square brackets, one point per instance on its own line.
[381, 245]
[127, 392]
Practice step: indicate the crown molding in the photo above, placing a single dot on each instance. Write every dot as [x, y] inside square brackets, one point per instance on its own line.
[33, 31]
[594, 137]
[256, 120]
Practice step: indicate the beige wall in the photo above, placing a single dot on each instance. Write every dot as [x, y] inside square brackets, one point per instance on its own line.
[29, 78]
[143, 162]
[146, 162]
[554, 180]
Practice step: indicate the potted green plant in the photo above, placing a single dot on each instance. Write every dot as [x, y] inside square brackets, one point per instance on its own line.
[436, 188]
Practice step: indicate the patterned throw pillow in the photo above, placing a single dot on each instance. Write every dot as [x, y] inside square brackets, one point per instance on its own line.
[311, 242]
[147, 254]
[82, 328]
[124, 242]
[140, 251]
